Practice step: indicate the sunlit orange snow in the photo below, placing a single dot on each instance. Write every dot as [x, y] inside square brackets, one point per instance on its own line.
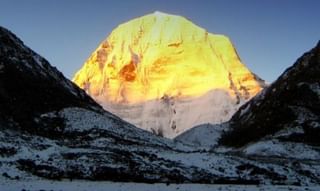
[163, 55]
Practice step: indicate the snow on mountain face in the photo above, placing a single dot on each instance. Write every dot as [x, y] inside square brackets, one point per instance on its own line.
[165, 74]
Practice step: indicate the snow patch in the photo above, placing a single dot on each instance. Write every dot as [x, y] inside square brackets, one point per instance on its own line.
[203, 136]
[303, 114]
[37, 59]
[245, 110]
[289, 131]
[315, 87]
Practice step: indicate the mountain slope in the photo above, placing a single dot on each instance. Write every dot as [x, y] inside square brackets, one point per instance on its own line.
[290, 106]
[162, 63]
[204, 136]
[29, 86]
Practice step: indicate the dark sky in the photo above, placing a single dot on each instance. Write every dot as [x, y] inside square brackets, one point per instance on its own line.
[269, 35]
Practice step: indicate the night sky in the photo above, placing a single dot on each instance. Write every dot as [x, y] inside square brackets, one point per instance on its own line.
[269, 35]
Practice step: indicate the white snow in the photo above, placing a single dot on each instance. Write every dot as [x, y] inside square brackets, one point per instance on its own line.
[25, 63]
[282, 149]
[168, 154]
[216, 163]
[160, 14]
[37, 58]
[79, 119]
[289, 131]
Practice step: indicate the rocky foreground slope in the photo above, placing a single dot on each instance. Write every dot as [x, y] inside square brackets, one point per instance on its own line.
[51, 129]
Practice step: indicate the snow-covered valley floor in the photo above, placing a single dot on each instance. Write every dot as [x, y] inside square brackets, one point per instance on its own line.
[11, 185]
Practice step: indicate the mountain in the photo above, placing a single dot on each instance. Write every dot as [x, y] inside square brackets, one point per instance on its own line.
[50, 129]
[282, 121]
[164, 74]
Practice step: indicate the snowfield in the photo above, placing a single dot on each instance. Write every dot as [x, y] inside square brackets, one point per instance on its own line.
[110, 149]
[120, 186]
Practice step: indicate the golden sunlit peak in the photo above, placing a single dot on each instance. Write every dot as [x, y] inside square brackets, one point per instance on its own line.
[165, 74]
[147, 58]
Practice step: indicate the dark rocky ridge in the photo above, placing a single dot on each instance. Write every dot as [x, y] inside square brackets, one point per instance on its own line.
[293, 100]
[30, 86]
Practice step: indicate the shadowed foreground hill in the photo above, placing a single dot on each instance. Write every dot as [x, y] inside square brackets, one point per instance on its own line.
[30, 86]
[291, 103]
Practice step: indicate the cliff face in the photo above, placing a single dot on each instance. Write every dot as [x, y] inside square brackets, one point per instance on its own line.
[160, 56]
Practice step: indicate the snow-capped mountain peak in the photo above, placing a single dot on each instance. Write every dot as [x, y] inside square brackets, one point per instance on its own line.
[162, 63]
